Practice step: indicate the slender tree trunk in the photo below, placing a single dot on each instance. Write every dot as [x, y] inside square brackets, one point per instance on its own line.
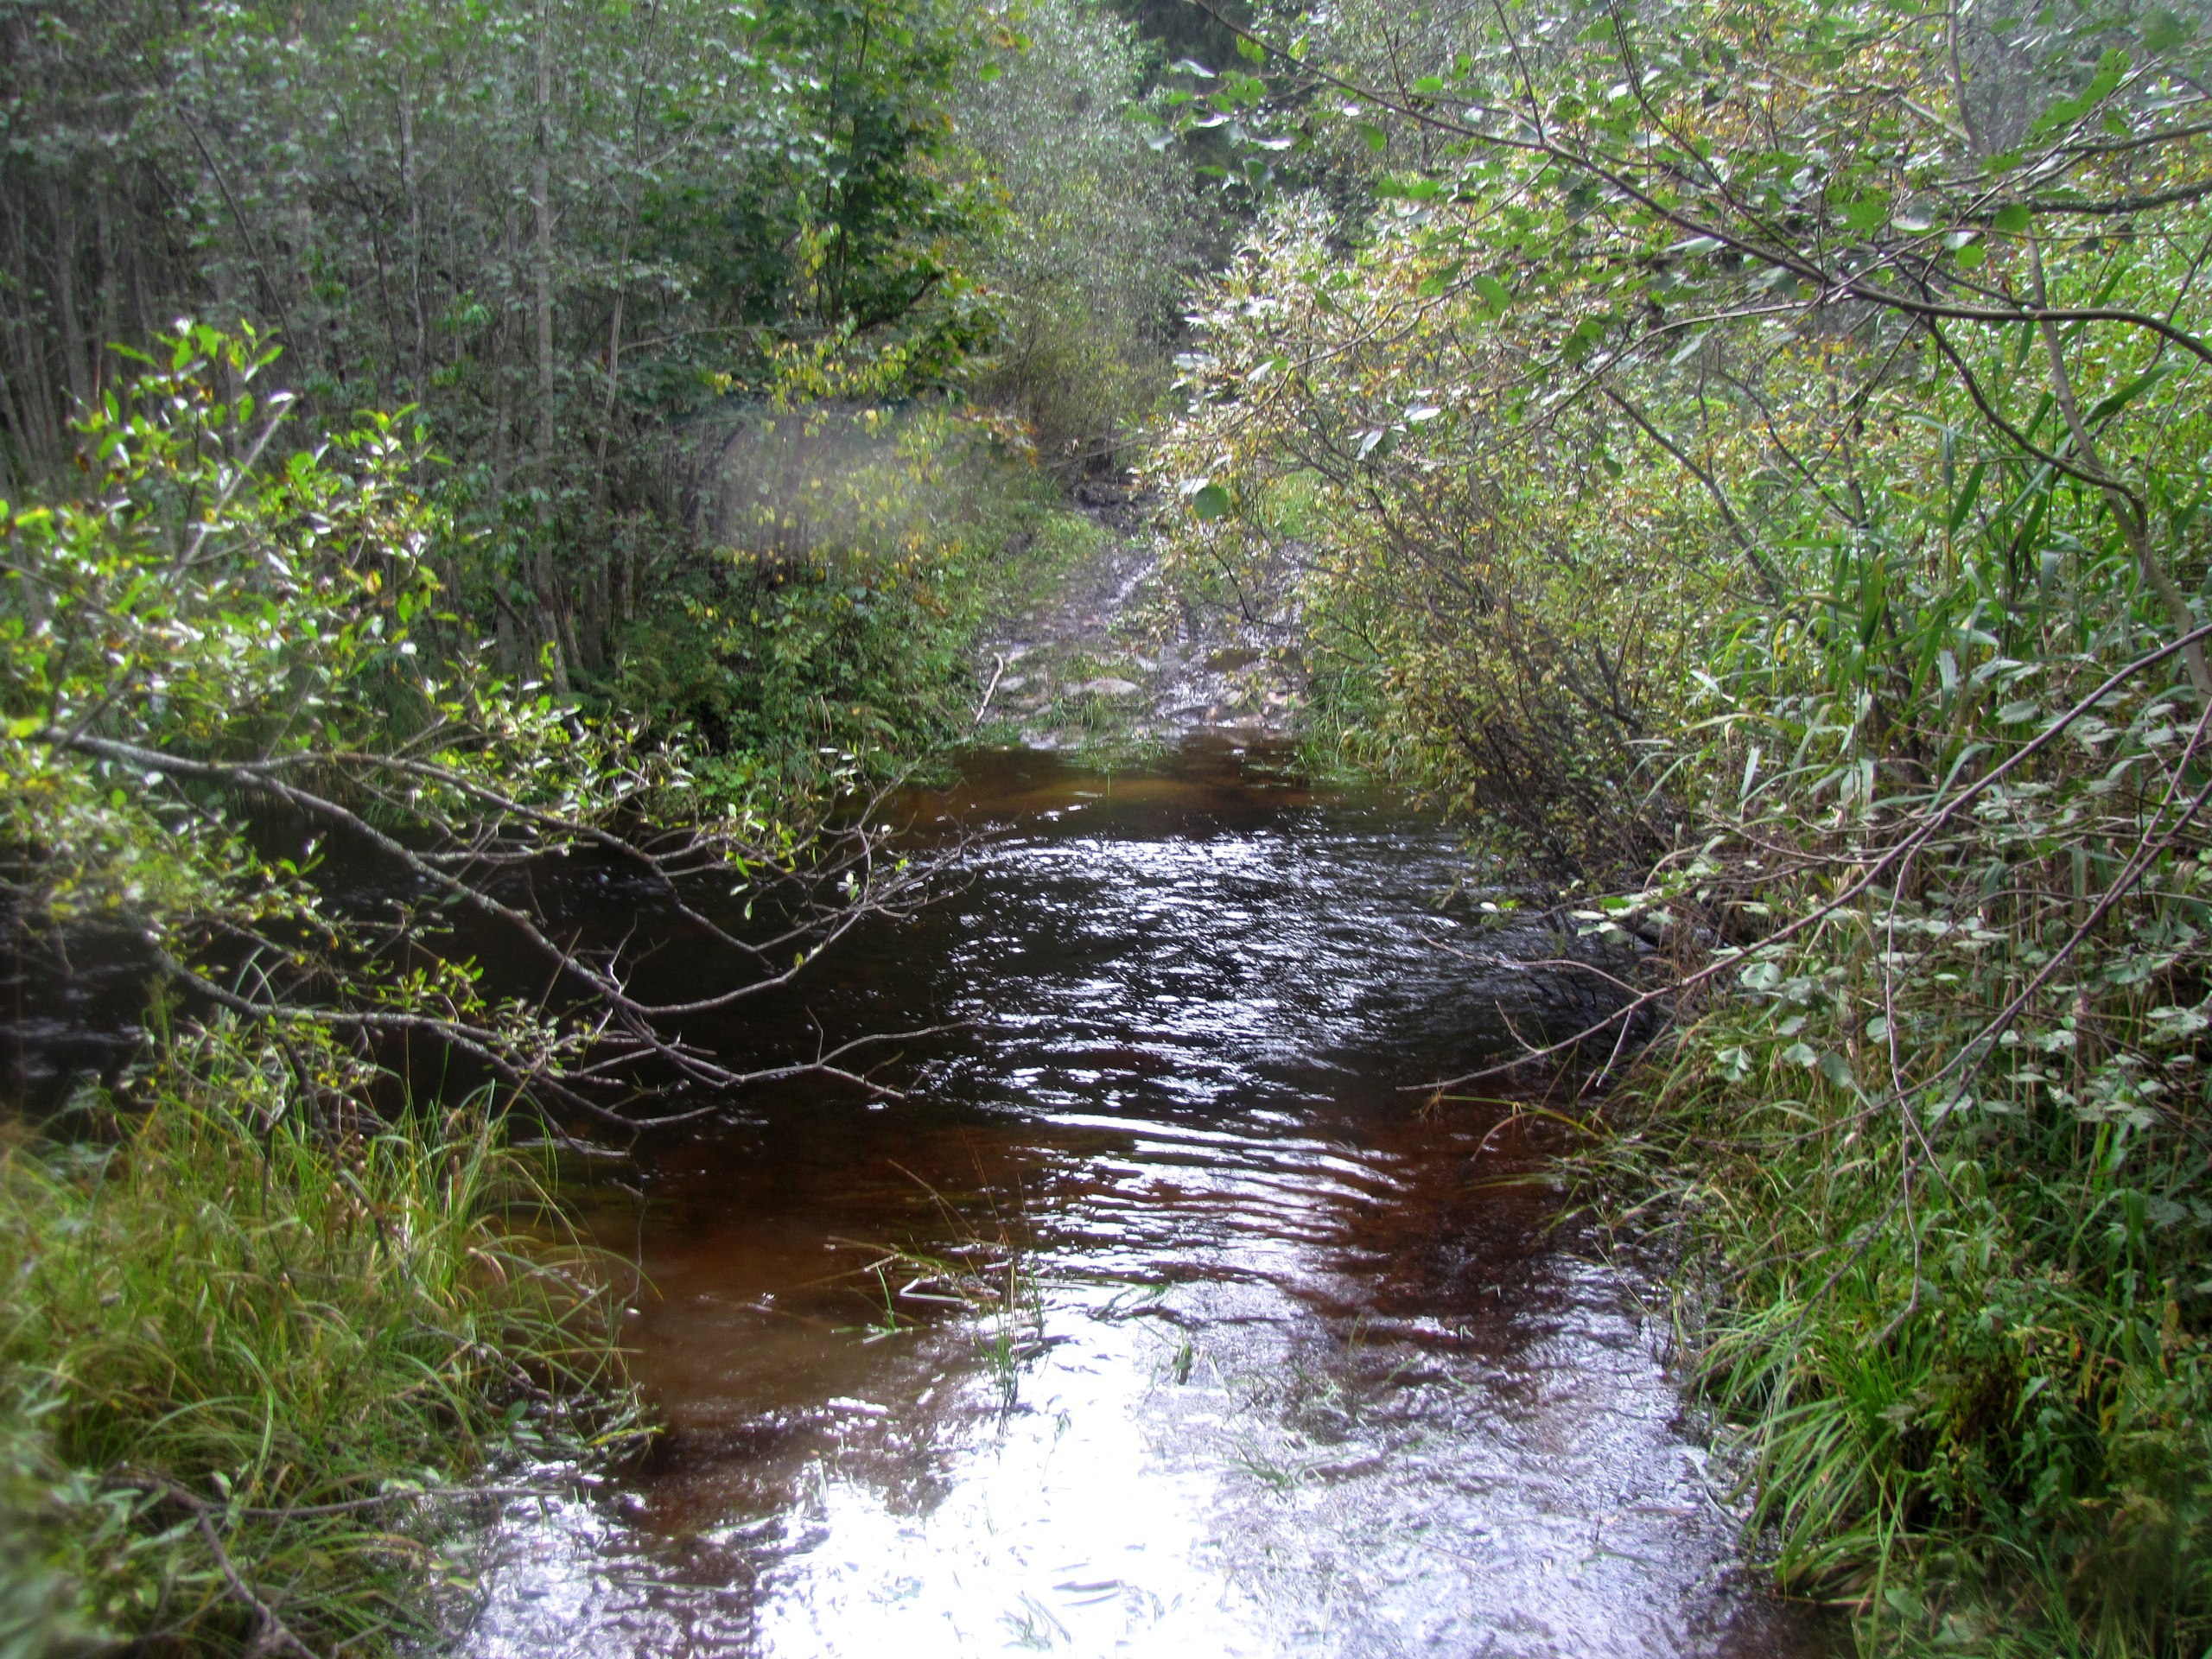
[834, 267]
[26, 395]
[137, 251]
[20, 461]
[411, 183]
[64, 261]
[503, 416]
[547, 595]
[614, 573]
[110, 287]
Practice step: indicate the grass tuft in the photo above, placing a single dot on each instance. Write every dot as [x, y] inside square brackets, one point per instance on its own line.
[1962, 1360]
[249, 1368]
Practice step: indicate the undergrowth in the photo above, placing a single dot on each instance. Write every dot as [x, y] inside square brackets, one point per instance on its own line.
[1850, 661]
[1932, 1139]
[253, 1370]
[865, 552]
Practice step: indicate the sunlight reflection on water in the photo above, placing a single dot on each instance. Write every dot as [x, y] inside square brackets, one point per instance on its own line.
[1285, 1370]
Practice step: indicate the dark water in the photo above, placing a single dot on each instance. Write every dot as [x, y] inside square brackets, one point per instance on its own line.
[1158, 1318]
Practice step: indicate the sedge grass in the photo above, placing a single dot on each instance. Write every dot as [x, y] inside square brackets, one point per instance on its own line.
[1962, 1360]
[249, 1368]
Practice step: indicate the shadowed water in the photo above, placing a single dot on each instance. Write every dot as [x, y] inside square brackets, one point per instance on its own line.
[1158, 1318]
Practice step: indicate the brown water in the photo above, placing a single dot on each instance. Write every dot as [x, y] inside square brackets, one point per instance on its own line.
[1157, 1319]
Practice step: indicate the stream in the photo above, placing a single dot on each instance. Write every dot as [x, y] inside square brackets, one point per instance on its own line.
[1157, 1317]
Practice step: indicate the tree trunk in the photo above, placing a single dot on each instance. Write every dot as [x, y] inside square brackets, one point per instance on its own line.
[546, 594]
[411, 183]
[64, 262]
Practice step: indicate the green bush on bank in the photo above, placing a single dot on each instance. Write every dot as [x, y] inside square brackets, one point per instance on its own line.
[1960, 1334]
[1987, 1427]
[243, 1362]
[862, 546]
[1933, 1139]
[1840, 634]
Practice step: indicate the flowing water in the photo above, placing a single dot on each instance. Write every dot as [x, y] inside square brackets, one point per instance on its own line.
[1157, 1317]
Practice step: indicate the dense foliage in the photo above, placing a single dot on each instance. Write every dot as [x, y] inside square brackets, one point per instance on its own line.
[544, 225]
[1751, 458]
[1102, 239]
[218, 667]
[570, 237]
[724, 342]
[1747, 457]
[255, 1303]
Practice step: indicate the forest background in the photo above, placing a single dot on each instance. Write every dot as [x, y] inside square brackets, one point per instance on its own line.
[1747, 460]
[445, 445]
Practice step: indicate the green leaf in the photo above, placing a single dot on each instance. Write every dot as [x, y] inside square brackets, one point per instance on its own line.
[2063, 113]
[2127, 394]
[2012, 218]
[2111, 69]
[1251, 49]
[1584, 341]
[1495, 293]
[1868, 213]
[2165, 32]
[1210, 502]
[1967, 493]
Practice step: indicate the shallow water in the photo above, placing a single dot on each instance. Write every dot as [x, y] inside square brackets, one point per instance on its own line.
[1158, 1318]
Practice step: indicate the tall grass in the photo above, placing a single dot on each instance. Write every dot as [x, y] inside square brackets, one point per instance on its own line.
[1934, 1140]
[248, 1367]
[1961, 1362]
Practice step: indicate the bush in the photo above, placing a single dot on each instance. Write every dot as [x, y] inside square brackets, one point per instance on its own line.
[1848, 642]
[860, 546]
[1101, 236]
